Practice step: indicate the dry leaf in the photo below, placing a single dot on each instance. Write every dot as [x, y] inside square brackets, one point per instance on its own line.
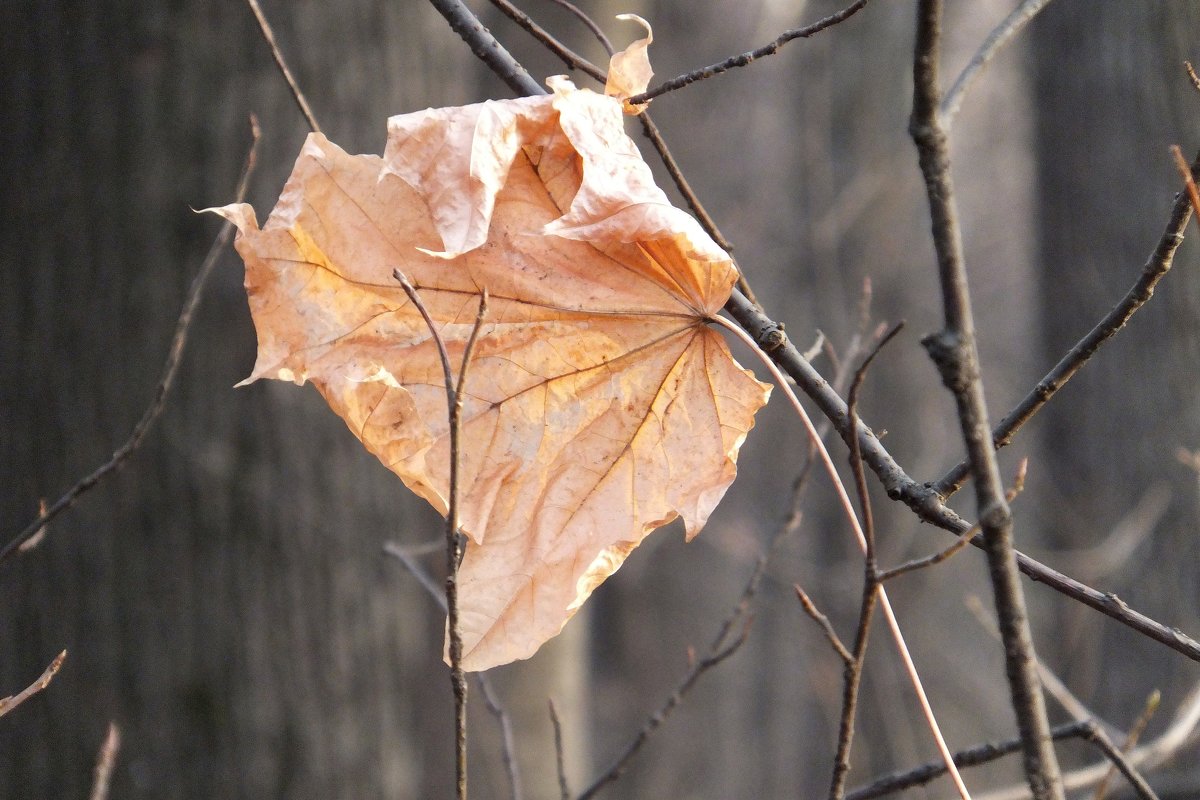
[599, 406]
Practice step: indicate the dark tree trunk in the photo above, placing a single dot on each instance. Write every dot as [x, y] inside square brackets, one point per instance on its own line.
[224, 598]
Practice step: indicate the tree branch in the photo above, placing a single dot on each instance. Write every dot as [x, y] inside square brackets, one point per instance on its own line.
[150, 416]
[750, 56]
[7, 704]
[955, 353]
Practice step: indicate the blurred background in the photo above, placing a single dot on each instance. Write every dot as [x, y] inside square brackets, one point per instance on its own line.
[226, 599]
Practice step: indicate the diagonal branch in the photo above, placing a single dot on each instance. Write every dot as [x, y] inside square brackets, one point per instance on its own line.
[150, 416]
[749, 57]
[1154, 270]
[955, 353]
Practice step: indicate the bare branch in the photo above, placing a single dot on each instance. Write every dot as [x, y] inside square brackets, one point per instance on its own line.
[1189, 182]
[569, 57]
[724, 645]
[750, 56]
[1131, 740]
[486, 48]
[971, 757]
[453, 541]
[277, 54]
[7, 704]
[1156, 267]
[1192, 76]
[174, 356]
[826, 626]
[564, 789]
[589, 22]
[105, 761]
[954, 351]
[508, 742]
[996, 41]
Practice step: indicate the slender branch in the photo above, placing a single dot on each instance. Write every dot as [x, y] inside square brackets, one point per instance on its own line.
[105, 761]
[1188, 181]
[508, 741]
[996, 41]
[589, 22]
[166, 382]
[955, 353]
[1131, 740]
[750, 56]
[453, 541]
[1086, 729]
[853, 670]
[970, 757]
[1192, 76]
[826, 626]
[569, 57]
[485, 47]
[719, 651]
[277, 54]
[564, 788]
[7, 704]
[1155, 268]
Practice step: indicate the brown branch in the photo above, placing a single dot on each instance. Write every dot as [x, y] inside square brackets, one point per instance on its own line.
[826, 626]
[454, 547]
[1155, 268]
[996, 41]
[7, 704]
[970, 757]
[1131, 740]
[962, 541]
[750, 56]
[166, 382]
[588, 22]
[508, 742]
[105, 761]
[569, 57]
[954, 351]
[1192, 76]
[1098, 737]
[564, 788]
[724, 645]
[1189, 182]
[277, 54]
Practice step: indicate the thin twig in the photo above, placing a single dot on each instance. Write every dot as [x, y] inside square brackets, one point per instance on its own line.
[750, 56]
[1179, 733]
[589, 22]
[1192, 76]
[105, 761]
[1189, 182]
[970, 757]
[485, 47]
[1155, 268]
[1098, 737]
[508, 741]
[996, 41]
[724, 645]
[826, 626]
[1131, 740]
[269, 36]
[569, 57]
[961, 542]
[453, 542]
[7, 704]
[564, 788]
[166, 382]
[954, 351]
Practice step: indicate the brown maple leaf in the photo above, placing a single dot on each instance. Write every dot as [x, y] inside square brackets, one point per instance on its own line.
[599, 406]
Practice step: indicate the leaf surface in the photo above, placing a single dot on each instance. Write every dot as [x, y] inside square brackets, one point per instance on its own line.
[599, 405]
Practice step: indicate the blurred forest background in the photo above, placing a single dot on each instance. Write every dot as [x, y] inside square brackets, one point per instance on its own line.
[226, 599]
